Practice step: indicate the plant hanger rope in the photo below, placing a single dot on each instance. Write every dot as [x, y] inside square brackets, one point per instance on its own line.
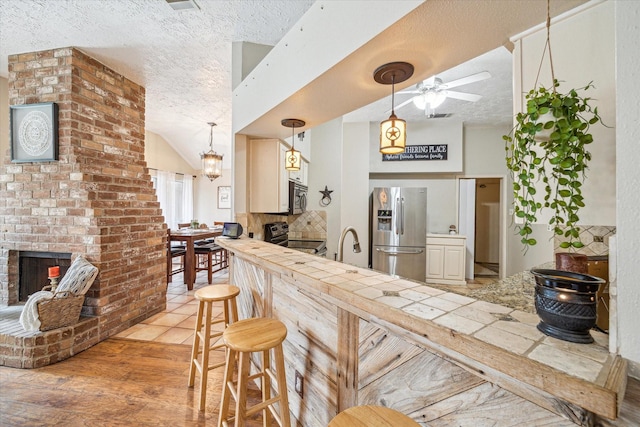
[547, 45]
[548, 148]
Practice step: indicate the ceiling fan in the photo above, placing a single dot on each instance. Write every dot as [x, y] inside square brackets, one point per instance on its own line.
[432, 92]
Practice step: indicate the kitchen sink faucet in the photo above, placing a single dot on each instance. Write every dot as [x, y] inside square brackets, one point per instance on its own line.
[356, 243]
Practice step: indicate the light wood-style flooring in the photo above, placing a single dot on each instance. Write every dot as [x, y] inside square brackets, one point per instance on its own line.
[140, 379]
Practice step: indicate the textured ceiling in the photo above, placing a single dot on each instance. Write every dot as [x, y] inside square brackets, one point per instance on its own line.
[183, 58]
[439, 37]
[494, 107]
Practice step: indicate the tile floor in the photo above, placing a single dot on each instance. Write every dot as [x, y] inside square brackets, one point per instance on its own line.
[176, 324]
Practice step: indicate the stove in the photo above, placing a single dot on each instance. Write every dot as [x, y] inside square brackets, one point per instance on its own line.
[277, 233]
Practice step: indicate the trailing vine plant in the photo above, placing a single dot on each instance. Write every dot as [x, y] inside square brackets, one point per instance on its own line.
[549, 144]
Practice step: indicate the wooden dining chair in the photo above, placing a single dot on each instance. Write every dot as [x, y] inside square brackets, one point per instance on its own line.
[211, 258]
[174, 252]
[184, 225]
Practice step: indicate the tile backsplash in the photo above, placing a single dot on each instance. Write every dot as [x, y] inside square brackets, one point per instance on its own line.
[594, 237]
[310, 225]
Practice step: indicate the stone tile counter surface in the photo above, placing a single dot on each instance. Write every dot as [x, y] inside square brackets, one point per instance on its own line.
[457, 323]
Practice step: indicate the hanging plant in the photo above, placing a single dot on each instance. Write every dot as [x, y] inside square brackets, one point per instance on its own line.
[548, 144]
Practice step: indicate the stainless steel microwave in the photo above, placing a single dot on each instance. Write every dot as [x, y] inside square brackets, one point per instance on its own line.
[297, 198]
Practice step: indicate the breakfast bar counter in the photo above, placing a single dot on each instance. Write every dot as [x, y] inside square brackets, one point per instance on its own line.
[358, 336]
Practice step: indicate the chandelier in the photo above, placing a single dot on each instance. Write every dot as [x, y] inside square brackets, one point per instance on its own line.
[211, 161]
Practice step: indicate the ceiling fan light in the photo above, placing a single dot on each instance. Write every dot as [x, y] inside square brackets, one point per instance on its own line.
[439, 98]
[420, 101]
[435, 98]
[393, 135]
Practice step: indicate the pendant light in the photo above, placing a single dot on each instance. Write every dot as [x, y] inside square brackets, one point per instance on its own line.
[393, 131]
[292, 157]
[211, 161]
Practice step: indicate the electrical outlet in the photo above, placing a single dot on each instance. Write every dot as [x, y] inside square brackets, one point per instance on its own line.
[299, 384]
[598, 239]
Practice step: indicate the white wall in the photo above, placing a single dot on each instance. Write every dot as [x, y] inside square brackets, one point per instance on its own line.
[245, 56]
[484, 155]
[627, 33]
[160, 155]
[355, 190]
[240, 189]
[352, 183]
[205, 199]
[583, 48]
[326, 170]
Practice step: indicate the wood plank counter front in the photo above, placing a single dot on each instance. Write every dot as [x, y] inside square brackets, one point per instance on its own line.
[361, 337]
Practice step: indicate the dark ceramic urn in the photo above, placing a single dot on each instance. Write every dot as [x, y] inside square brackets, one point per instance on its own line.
[566, 303]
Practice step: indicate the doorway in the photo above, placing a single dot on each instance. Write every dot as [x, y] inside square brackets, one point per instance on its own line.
[482, 219]
[487, 227]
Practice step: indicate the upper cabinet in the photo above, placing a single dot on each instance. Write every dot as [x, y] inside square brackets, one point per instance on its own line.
[268, 179]
[301, 176]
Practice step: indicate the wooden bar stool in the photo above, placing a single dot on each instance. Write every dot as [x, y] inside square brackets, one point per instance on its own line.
[371, 416]
[206, 297]
[243, 338]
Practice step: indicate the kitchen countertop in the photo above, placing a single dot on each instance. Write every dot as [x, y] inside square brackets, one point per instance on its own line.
[584, 374]
[516, 291]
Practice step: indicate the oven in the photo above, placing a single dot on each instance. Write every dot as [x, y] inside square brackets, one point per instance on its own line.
[277, 233]
[297, 198]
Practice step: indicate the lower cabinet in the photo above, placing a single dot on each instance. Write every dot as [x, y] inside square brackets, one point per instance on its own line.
[446, 259]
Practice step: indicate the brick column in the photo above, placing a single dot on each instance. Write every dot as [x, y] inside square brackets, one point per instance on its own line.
[97, 199]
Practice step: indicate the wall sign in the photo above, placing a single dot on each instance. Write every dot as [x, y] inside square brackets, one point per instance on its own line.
[224, 197]
[419, 152]
[34, 132]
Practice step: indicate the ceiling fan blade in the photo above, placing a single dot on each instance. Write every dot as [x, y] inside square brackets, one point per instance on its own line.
[408, 91]
[469, 79]
[400, 105]
[472, 97]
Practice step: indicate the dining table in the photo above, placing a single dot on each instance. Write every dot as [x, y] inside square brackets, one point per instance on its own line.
[189, 236]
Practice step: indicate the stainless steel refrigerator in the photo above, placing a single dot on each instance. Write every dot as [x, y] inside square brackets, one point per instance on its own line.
[399, 231]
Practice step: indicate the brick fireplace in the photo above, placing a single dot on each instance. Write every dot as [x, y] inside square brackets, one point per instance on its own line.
[97, 200]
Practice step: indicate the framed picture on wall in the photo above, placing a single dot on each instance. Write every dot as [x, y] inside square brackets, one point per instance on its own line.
[224, 197]
[34, 132]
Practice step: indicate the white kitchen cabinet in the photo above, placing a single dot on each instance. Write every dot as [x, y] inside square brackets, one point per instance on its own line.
[301, 176]
[446, 259]
[268, 179]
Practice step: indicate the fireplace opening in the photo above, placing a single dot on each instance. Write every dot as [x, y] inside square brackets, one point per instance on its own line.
[34, 270]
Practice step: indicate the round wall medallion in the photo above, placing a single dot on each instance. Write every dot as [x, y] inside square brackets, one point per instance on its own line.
[35, 133]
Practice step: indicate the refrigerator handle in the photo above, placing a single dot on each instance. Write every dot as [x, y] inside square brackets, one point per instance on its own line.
[398, 216]
[402, 215]
[400, 251]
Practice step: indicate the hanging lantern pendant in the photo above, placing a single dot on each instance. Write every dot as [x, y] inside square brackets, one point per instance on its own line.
[393, 131]
[292, 157]
[211, 161]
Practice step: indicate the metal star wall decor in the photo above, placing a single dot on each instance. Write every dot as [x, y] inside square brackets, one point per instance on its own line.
[326, 196]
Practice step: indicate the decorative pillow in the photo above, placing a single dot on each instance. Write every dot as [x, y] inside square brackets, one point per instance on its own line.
[79, 277]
